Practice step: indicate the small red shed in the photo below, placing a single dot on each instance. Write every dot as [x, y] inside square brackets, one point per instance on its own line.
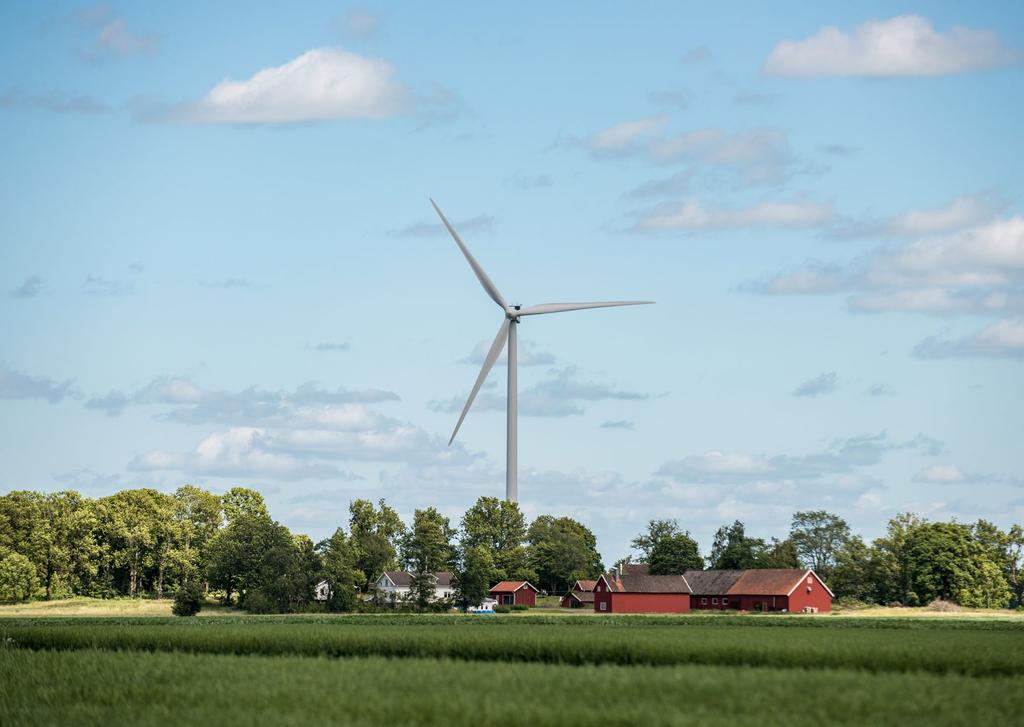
[514, 593]
[631, 589]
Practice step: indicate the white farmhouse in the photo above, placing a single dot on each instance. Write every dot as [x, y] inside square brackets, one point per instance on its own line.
[395, 584]
[322, 591]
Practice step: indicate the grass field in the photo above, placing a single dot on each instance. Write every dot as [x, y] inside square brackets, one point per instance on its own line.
[533, 670]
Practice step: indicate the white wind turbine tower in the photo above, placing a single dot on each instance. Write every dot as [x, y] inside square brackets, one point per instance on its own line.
[507, 331]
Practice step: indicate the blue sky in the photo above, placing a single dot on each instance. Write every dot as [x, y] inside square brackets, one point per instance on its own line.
[219, 265]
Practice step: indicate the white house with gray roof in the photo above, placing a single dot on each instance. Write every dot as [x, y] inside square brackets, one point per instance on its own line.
[396, 584]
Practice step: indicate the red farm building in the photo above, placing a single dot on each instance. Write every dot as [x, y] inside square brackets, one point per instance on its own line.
[765, 589]
[580, 595]
[514, 593]
[631, 589]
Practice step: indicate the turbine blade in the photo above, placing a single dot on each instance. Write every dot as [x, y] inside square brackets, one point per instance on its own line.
[489, 286]
[535, 310]
[492, 356]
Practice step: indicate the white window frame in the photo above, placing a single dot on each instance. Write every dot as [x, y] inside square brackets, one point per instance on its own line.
[704, 601]
[604, 605]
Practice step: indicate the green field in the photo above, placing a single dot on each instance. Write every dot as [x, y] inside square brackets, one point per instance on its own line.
[531, 670]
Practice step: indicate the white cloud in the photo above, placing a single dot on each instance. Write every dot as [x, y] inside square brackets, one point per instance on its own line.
[962, 212]
[941, 473]
[625, 136]
[692, 215]
[31, 288]
[527, 355]
[1002, 339]
[477, 225]
[978, 270]
[320, 85]
[907, 45]
[111, 36]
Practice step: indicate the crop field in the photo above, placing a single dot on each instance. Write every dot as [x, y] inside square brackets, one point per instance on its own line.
[531, 670]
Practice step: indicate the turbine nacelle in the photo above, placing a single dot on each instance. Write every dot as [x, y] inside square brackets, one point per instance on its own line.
[507, 334]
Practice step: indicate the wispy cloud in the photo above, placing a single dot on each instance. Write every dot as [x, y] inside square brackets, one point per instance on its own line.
[695, 55]
[56, 102]
[228, 283]
[825, 383]
[111, 36]
[528, 354]
[100, 286]
[693, 215]
[907, 45]
[331, 347]
[18, 385]
[30, 288]
[1002, 339]
[358, 23]
[617, 424]
[480, 224]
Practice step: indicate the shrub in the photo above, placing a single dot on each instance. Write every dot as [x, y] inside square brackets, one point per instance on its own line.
[259, 602]
[188, 600]
[520, 607]
[501, 608]
[18, 581]
[943, 606]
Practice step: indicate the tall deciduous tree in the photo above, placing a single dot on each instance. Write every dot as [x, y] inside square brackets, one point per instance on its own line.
[427, 548]
[376, 534]
[667, 549]
[473, 576]
[818, 536]
[733, 550]
[339, 568]
[561, 551]
[500, 527]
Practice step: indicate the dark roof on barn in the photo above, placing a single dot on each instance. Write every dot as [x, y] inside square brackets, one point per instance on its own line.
[767, 581]
[581, 596]
[512, 587]
[635, 578]
[584, 585]
[712, 582]
[403, 578]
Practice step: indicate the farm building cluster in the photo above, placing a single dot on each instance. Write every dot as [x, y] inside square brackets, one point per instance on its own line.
[631, 588]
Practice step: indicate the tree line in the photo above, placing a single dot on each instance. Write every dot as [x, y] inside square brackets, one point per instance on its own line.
[144, 542]
[916, 561]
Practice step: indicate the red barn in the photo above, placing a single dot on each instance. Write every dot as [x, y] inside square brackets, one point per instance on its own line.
[631, 589]
[581, 594]
[711, 588]
[514, 593]
[760, 589]
[782, 589]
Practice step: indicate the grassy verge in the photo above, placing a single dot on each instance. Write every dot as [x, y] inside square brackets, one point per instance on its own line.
[113, 607]
[988, 649]
[100, 688]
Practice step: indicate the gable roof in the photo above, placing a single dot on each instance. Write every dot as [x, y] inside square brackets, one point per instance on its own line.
[772, 582]
[636, 579]
[581, 596]
[582, 586]
[712, 582]
[512, 587]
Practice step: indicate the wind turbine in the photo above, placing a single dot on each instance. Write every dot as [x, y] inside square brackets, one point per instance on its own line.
[507, 332]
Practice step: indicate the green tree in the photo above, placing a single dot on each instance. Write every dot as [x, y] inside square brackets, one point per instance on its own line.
[473, 576]
[1015, 564]
[241, 502]
[427, 548]
[197, 516]
[890, 570]
[945, 562]
[18, 579]
[852, 572]
[776, 554]
[733, 550]
[818, 537]
[376, 534]
[236, 551]
[134, 526]
[561, 551]
[339, 568]
[667, 549]
[500, 527]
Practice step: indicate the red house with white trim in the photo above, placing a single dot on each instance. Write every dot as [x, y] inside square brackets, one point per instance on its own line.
[514, 593]
[631, 589]
[581, 594]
